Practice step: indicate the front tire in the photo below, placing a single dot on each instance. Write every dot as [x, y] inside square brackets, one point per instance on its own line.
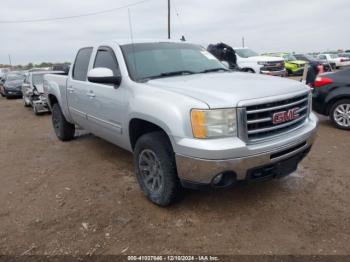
[340, 114]
[63, 129]
[155, 167]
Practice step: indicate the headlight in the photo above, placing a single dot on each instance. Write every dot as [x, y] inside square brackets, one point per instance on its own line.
[215, 123]
[262, 63]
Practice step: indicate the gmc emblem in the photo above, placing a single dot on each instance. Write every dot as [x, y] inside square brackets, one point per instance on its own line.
[285, 116]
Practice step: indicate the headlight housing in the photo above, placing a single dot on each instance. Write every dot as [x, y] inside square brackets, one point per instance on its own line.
[216, 123]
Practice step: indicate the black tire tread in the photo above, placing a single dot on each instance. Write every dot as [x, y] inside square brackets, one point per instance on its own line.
[159, 142]
[66, 130]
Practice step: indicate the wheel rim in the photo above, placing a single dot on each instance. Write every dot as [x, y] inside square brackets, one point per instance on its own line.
[151, 171]
[342, 115]
[56, 122]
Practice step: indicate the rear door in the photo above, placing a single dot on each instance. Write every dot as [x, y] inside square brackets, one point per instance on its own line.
[77, 89]
[107, 103]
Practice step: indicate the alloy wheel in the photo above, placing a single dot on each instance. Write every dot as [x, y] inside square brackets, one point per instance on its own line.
[151, 171]
[342, 115]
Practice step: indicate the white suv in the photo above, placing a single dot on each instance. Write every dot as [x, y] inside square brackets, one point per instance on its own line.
[252, 62]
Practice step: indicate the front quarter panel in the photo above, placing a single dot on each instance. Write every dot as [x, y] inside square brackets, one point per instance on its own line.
[168, 110]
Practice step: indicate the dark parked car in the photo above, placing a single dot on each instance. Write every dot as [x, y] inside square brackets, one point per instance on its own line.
[310, 59]
[11, 85]
[331, 97]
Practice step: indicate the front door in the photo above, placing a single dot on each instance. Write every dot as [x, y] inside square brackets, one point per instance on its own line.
[107, 102]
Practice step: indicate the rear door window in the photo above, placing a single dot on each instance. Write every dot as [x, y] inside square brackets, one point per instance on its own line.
[81, 64]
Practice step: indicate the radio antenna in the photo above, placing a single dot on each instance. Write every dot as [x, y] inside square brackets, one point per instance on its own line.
[132, 41]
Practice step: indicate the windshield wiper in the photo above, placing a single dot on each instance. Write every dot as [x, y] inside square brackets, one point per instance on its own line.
[168, 74]
[214, 70]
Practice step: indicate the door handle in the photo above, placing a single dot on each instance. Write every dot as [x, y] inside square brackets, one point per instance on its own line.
[91, 94]
[70, 89]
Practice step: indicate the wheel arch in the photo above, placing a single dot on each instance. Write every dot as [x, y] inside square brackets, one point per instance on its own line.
[139, 126]
[334, 98]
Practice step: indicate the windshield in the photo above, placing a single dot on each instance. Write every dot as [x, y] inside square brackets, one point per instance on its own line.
[13, 77]
[289, 57]
[38, 79]
[154, 60]
[310, 58]
[334, 56]
[245, 53]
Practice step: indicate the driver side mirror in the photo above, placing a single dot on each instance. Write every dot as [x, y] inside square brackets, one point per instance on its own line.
[102, 75]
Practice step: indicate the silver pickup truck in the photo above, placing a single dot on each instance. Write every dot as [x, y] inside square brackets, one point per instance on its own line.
[189, 121]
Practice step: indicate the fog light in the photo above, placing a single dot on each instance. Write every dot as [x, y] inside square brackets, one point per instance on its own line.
[224, 180]
[217, 179]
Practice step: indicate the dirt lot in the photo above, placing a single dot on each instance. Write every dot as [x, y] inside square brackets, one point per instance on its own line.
[81, 197]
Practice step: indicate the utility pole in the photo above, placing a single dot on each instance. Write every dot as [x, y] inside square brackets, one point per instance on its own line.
[10, 60]
[168, 19]
[243, 41]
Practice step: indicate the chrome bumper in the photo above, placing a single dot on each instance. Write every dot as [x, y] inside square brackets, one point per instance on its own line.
[202, 171]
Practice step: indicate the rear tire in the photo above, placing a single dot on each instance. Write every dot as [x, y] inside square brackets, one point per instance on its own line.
[340, 114]
[63, 129]
[155, 168]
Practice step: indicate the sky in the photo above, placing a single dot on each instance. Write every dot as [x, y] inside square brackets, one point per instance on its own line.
[266, 25]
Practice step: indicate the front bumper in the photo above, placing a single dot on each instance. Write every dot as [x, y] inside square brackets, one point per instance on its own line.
[13, 93]
[298, 72]
[41, 106]
[192, 170]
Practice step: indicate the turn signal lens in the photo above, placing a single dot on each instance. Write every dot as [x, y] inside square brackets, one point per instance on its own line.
[199, 122]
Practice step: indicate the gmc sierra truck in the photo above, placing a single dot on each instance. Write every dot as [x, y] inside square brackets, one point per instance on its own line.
[189, 121]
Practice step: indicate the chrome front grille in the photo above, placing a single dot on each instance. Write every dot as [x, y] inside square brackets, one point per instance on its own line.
[267, 120]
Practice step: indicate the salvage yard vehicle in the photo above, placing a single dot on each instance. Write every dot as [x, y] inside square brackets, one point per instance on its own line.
[4, 71]
[293, 65]
[334, 58]
[33, 91]
[252, 62]
[189, 121]
[327, 67]
[11, 85]
[331, 97]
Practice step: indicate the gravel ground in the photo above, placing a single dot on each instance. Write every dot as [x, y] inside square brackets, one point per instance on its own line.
[81, 197]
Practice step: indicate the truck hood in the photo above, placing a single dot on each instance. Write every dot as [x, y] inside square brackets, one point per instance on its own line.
[263, 59]
[13, 83]
[297, 62]
[220, 90]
